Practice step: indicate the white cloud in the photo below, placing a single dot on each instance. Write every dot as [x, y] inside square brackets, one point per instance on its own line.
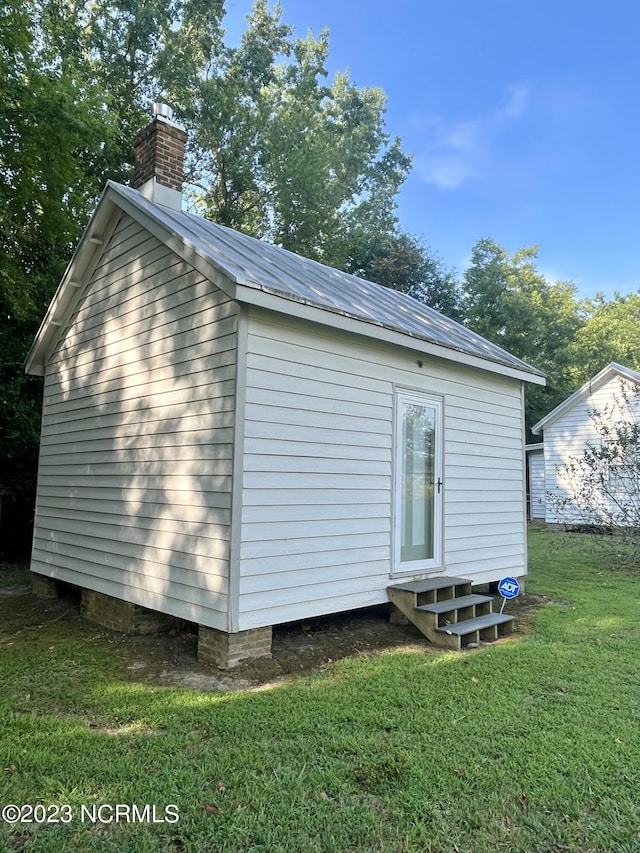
[518, 98]
[459, 151]
[452, 155]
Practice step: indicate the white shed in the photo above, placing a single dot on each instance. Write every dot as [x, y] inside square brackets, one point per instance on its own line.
[535, 481]
[569, 428]
[238, 436]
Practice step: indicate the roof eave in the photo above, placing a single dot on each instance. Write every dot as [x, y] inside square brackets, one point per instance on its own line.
[276, 302]
[593, 384]
[94, 237]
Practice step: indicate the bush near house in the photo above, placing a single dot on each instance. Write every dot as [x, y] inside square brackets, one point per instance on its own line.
[527, 745]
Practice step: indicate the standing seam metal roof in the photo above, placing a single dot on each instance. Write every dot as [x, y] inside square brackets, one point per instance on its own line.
[253, 263]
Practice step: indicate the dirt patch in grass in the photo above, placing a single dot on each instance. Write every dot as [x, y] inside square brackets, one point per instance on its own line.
[298, 648]
[524, 608]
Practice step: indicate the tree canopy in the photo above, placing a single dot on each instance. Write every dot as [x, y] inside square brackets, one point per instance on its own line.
[611, 332]
[507, 300]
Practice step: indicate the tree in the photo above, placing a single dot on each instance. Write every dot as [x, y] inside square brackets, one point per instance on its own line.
[611, 332]
[402, 262]
[508, 301]
[51, 128]
[286, 155]
[600, 489]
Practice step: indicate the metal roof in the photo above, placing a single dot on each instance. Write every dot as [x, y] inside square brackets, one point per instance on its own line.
[252, 263]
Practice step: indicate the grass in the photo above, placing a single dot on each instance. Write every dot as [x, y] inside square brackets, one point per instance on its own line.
[528, 745]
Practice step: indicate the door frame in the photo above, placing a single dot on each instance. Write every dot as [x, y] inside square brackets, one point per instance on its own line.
[433, 565]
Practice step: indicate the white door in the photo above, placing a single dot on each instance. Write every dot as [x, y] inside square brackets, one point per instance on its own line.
[418, 483]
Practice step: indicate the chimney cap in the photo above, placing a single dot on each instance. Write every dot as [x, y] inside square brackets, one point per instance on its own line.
[161, 110]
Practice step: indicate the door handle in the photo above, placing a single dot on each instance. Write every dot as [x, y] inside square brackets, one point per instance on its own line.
[439, 484]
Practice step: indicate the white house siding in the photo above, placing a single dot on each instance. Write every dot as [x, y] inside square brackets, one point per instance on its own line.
[318, 476]
[137, 435]
[567, 436]
[536, 484]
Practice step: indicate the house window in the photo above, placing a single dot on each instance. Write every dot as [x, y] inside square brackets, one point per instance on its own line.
[419, 487]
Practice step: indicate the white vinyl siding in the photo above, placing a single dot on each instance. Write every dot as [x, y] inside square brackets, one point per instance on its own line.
[134, 489]
[536, 484]
[566, 438]
[317, 492]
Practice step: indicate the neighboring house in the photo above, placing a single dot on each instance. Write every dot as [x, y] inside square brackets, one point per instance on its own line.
[238, 436]
[535, 481]
[569, 428]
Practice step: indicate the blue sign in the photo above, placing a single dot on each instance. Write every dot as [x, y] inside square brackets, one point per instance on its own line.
[508, 587]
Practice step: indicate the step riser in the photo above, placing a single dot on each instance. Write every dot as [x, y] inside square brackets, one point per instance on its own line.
[487, 635]
[456, 603]
[445, 594]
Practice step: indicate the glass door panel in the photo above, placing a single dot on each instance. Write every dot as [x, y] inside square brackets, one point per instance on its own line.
[418, 482]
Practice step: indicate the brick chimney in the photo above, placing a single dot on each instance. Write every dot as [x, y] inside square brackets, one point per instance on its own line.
[158, 150]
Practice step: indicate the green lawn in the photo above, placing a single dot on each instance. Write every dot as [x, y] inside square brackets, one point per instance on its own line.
[529, 745]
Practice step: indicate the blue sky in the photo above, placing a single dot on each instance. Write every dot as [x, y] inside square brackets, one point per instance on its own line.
[523, 120]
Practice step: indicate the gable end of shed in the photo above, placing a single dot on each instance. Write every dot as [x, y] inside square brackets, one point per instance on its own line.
[135, 471]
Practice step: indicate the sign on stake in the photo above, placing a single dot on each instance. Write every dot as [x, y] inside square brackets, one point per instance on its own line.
[508, 588]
